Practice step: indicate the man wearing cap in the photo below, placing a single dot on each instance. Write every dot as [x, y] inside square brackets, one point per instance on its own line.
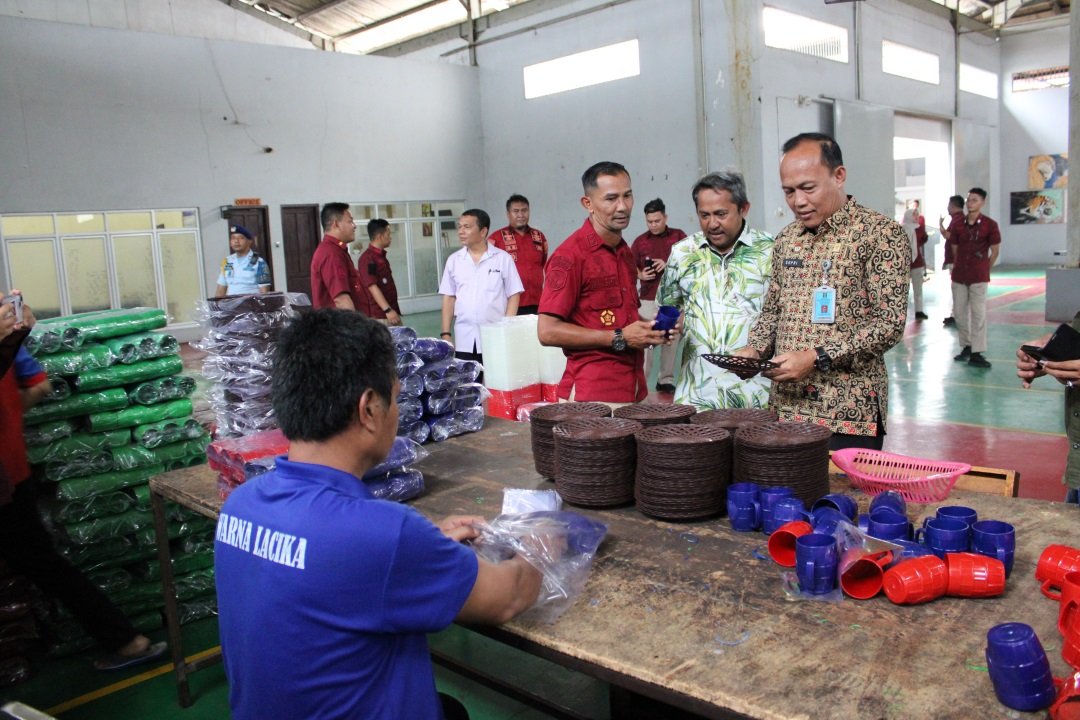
[243, 272]
[334, 279]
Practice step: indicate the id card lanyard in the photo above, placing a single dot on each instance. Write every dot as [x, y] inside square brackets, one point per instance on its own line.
[824, 298]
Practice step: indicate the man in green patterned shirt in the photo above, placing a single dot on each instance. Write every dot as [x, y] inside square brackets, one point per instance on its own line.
[836, 302]
[718, 277]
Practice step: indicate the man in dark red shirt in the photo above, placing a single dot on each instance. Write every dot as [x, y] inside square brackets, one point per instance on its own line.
[976, 243]
[956, 218]
[651, 250]
[528, 247]
[380, 301]
[334, 280]
[589, 306]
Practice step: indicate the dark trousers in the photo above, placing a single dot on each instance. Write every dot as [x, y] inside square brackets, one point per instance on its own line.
[28, 550]
[475, 356]
[839, 441]
[528, 309]
[452, 708]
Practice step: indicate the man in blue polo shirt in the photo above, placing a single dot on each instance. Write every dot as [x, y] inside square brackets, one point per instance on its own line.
[243, 272]
[325, 594]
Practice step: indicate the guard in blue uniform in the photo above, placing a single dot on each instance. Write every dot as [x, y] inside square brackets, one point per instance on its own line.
[243, 272]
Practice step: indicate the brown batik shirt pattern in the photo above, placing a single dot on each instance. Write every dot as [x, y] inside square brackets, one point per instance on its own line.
[870, 260]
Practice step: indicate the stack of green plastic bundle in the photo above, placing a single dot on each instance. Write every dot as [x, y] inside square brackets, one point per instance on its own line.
[125, 418]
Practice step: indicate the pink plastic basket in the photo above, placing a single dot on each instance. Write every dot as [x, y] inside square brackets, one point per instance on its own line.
[916, 479]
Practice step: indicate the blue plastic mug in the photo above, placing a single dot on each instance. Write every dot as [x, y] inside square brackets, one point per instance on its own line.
[995, 539]
[959, 512]
[666, 317]
[909, 549]
[844, 503]
[784, 511]
[744, 506]
[816, 562]
[769, 497]
[891, 500]
[825, 520]
[1018, 667]
[944, 535]
[887, 525]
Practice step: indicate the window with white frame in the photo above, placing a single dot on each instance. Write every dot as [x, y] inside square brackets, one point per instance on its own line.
[422, 235]
[908, 62]
[73, 262]
[583, 69]
[801, 34]
[978, 81]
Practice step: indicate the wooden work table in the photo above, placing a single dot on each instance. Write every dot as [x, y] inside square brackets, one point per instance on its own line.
[694, 614]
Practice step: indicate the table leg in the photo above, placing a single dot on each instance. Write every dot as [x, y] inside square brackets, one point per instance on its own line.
[168, 591]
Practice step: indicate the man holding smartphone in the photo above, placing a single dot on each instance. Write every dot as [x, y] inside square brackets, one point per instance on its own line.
[651, 250]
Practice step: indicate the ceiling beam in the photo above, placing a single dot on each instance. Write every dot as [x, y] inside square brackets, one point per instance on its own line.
[329, 5]
[388, 19]
[316, 39]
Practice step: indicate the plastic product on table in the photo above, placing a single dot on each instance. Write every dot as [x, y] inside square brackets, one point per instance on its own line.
[398, 486]
[402, 453]
[91, 462]
[141, 346]
[165, 432]
[431, 349]
[90, 531]
[173, 387]
[94, 506]
[76, 445]
[105, 482]
[469, 370]
[237, 451]
[91, 357]
[118, 375]
[442, 379]
[409, 410]
[411, 386]
[461, 397]
[458, 423]
[417, 431]
[47, 432]
[404, 337]
[138, 415]
[98, 325]
[408, 364]
[133, 456]
[101, 401]
[61, 390]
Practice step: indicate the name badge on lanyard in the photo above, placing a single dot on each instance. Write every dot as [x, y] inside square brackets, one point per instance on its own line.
[824, 298]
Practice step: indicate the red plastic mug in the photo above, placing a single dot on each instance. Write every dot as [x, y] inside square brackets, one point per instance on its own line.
[1055, 562]
[864, 578]
[975, 576]
[918, 580]
[1070, 646]
[1069, 612]
[782, 541]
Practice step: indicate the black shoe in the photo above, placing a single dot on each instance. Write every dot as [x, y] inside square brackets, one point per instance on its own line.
[948, 321]
[921, 316]
[964, 354]
[665, 387]
[977, 360]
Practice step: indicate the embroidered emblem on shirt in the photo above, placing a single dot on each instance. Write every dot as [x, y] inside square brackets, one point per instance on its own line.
[558, 272]
[607, 317]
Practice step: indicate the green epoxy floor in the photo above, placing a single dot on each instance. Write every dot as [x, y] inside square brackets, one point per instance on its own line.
[938, 408]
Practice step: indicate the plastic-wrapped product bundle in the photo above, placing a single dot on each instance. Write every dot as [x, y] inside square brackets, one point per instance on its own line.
[43, 339]
[411, 386]
[82, 487]
[182, 563]
[469, 370]
[145, 537]
[100, 554]
[138, 415]
[408, 363]
[118, 375]
[409, 410]
[61, 390]
[95, 506]
[101, 401]
[194, 584]
[404, 337]
[47, 432]
[398, 486]
[89, 531]
[164, 432]
[91, 357]
[197, 608]
[442, 379]
[458, 423]
[101, 324]
[141, 346]
[91, 462]
[431, 349]
[417, 431]
[461, 397]
[402, 453]
[132, 456]
[77, 444]
[111, 580]
[180, 451]
[172, 387]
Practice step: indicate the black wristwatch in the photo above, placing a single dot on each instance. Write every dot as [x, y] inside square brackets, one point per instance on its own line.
[618, 343]
[387, 311]
[823, 362]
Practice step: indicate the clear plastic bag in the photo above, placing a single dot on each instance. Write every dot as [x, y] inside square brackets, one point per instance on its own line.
[47, 432]
[78, 404]
[469, 370]
[402, 453]
[94, 506]
[167, 388]
[560, 544]
[457, 398]
[117, 375]
[409, 410]
[92, 357]
[412, 386]
[398, 485]
[404, 337]
[458, 423]
[431, 349]
[417, 431]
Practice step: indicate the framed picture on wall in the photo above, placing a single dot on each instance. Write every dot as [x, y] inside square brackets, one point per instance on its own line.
[1048, 171]
[1037, 207]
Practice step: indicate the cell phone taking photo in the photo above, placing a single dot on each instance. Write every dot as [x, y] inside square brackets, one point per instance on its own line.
[16, 301]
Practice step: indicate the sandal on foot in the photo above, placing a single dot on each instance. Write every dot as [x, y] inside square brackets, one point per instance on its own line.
[116, 661]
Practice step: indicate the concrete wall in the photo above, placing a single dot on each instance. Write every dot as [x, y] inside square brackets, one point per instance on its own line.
[104, 119]
[1035, 123]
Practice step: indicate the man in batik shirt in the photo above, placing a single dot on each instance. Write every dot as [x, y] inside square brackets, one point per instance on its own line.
[837, 300]
[718, 278]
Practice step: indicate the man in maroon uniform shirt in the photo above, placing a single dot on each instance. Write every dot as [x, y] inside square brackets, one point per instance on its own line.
[651, 250]
[334, 280]
[380, 301]
[528, 247]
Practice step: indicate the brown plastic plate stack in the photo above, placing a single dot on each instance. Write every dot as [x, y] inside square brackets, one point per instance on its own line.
[682, 471]
[733, 418]
[544, 418]
[792, 454]
[594, 461]
[650, 414]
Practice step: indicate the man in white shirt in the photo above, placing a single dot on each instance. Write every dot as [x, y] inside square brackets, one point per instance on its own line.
[480, 284]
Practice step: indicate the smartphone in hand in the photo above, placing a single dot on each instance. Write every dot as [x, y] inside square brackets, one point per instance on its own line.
[17, 301]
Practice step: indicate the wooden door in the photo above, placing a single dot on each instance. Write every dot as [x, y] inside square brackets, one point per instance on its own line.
[255, 219]
[301, 234]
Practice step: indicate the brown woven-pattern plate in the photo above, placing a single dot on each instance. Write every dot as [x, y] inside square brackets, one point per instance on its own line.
[740, 364]
[682, 471]
[544, 418]
[791, 454]
[595, 460]
[733, 418]
[656, 413]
